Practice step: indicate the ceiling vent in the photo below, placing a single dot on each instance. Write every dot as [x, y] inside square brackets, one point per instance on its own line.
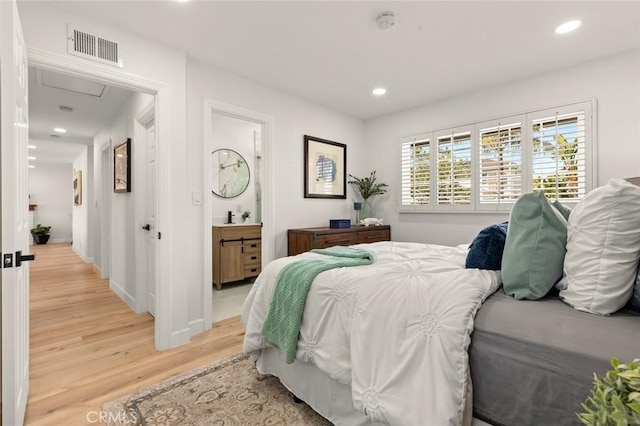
[92, 46]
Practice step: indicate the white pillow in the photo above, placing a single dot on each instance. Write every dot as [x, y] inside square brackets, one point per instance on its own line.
[603, 249]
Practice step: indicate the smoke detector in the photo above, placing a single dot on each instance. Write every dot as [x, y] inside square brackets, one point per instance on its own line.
[386, 19]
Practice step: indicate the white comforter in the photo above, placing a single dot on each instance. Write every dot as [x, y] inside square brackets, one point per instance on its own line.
[397, 331]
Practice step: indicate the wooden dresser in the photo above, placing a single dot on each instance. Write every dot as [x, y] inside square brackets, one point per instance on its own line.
[305, 239]
[237, 253]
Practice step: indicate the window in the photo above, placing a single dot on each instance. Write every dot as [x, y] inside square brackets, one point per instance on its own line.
[500, 163]
[487, 166]
[416, 170]
[454, 169]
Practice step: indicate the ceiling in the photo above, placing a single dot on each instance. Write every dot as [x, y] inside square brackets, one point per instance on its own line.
[332, 52]
[90, 114]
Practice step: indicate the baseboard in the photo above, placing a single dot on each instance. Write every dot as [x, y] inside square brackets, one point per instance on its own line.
[179, 337]
[122, 294]
[84, 258]
[196, 327]
[96, 269]
[60, 240]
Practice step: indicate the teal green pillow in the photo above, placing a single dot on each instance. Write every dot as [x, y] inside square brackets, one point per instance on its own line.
[564, 210]
[535, 247]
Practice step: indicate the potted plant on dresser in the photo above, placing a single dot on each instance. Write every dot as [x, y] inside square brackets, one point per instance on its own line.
[40, 234]
[367, 187]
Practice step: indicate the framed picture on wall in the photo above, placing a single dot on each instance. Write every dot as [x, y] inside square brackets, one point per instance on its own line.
[325, 168]
[122, 167]
[77, 188]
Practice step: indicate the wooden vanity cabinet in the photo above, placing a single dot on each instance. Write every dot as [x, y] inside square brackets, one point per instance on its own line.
[237, 253]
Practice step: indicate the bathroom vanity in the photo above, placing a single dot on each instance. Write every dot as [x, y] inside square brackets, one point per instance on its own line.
[237, 252]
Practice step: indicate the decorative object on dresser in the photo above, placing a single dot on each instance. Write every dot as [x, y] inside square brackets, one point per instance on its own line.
[366, 188]
[325, 168]
[305, 239]
[237, 253]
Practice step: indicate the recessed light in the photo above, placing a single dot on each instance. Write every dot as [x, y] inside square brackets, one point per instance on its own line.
[32, 146]
[32, 158]
[60, 130]
[379, 91]
[567, 27]
[31, 166]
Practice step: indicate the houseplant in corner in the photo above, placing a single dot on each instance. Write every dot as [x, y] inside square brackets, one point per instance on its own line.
[367, 187]
[40, 234]
[615, 398]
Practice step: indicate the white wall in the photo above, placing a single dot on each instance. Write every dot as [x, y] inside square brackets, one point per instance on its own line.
[122, 274]
[238, 135]
[614, 81]
[45, 28]
[81, 212]
[294, 118]
[50, 187]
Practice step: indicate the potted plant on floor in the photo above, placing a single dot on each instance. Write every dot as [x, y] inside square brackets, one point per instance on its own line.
[40, 234]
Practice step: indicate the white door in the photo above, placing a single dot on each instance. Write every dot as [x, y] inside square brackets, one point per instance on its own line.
[152, 212]
[14, 135]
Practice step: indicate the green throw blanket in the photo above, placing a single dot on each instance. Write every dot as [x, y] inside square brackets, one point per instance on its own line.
[282, 326]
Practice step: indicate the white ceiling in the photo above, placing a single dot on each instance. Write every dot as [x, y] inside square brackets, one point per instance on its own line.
[334, 54]
[54, 152]
[90, 114]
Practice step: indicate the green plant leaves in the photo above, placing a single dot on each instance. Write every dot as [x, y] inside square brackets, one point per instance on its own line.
[615, 398]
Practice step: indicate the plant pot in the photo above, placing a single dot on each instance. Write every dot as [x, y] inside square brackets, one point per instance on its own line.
[365, 210]
[41, 239]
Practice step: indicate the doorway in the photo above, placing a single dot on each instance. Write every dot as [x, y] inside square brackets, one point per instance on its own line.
[261, 126]
[159, 91]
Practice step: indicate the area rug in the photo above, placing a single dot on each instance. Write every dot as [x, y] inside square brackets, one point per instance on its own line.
[227, 393]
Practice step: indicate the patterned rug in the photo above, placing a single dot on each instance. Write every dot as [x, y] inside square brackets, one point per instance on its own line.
[228, 393]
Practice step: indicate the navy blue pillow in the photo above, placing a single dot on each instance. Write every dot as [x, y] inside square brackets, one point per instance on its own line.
[486, 249]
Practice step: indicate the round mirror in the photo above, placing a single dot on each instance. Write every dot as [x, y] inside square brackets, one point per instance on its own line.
[230, 173]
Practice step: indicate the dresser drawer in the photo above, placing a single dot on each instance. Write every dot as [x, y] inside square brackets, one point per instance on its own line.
[330, 240]
[251, 270]
[252, 246]
[373, 236]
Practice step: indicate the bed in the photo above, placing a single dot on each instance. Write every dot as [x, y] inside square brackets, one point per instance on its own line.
[526, 363]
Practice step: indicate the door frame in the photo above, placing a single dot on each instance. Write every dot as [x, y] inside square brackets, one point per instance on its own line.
[70, 65]
[105, 209]
[267, 121]
[142, 120]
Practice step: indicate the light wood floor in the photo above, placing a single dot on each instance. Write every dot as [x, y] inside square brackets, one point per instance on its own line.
[88, 347]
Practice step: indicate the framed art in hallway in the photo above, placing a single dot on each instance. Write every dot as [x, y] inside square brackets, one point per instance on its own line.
[325, 168]
[122, 167]
[77, 188]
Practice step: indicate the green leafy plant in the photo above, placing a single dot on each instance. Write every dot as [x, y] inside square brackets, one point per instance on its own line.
[615, 398]
[367, 186]
[246, 214]
[40, 230]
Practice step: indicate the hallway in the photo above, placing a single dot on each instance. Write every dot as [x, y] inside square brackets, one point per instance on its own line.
[88, 347]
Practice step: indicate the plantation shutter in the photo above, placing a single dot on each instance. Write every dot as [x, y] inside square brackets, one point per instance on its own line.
[500, 163]
[454, 169]
[415, 172]
[559, 159]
